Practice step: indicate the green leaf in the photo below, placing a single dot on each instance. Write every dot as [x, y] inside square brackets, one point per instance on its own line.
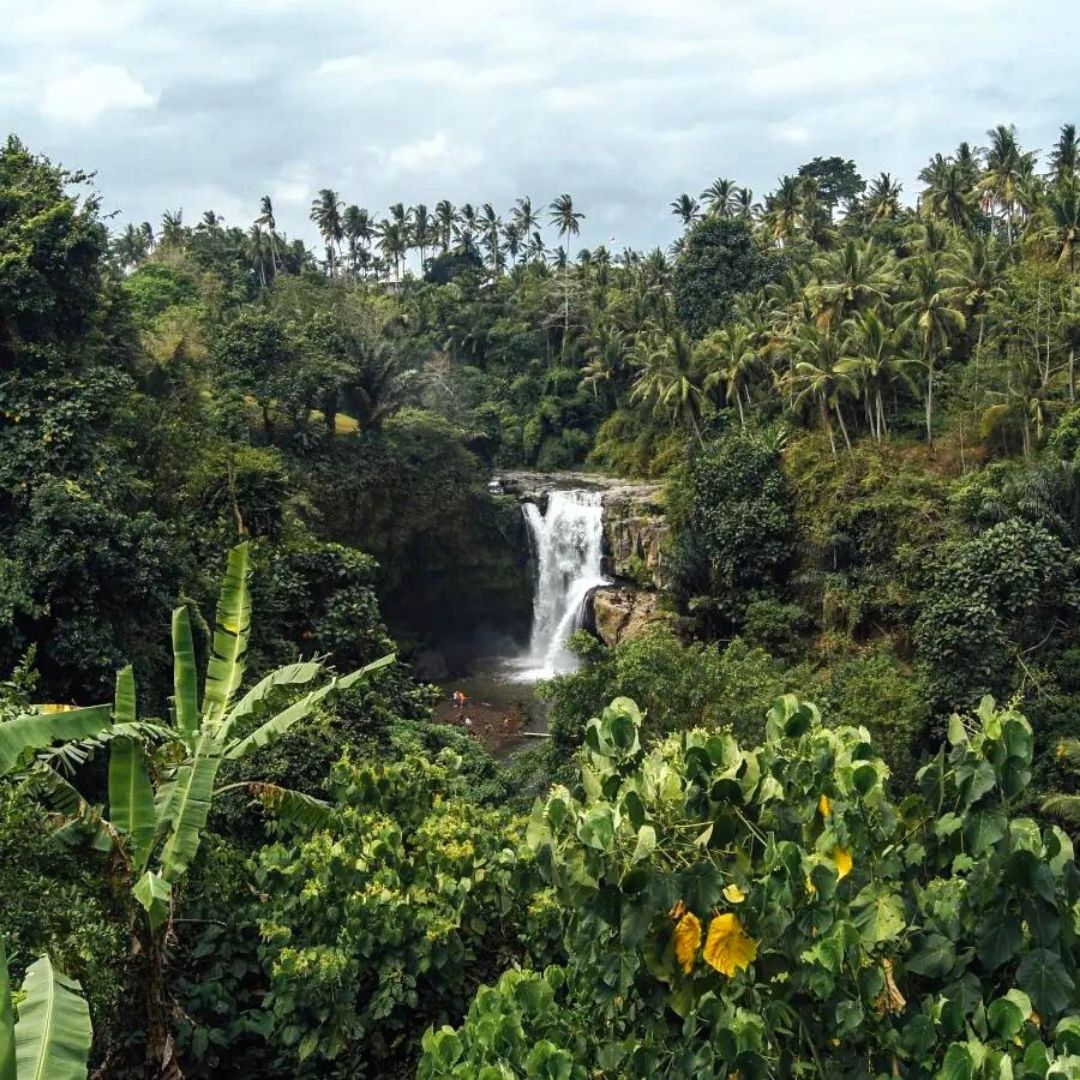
[933, 957]
[984, 828]
[290, 675]
[7, 1020]
[131, 797]
[879, 915]
[225, 670]
[37, 730]
[185, 679]
[1043, 977]
[957, 1064]
[1000, 940]
[1005, 1018]
[646, 843]
[295, 807]
[154, 893]
[274, 728]
[52, 1037]
[189, 807]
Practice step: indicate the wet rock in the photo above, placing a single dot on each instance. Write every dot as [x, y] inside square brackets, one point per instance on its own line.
[617, 613]
[430, 666]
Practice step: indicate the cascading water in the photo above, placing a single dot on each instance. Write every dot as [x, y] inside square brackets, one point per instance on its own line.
[568, 546]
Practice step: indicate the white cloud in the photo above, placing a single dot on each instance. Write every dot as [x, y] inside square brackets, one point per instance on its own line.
[435, 154]
[81, 96]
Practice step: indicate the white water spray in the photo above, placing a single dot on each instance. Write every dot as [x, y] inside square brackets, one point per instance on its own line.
[568, 545]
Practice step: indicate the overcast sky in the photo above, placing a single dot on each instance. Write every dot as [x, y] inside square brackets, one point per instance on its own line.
[623, 103]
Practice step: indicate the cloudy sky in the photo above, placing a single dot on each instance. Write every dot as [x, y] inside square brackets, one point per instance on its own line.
[623, 103]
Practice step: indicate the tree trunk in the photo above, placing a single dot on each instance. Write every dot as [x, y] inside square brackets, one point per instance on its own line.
[882, 429]
[160, 1049]
[843, 426]
[742, 417]
[930, 402]
[824, 409]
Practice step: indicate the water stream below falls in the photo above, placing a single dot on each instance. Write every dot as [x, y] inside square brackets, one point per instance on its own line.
[567, 543]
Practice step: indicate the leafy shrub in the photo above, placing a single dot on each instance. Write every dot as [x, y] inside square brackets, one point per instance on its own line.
[770, 912]
[389, 917]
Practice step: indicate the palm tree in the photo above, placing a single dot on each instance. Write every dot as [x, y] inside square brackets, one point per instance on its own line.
[567, 222]
[948, 193]
[783, 209]
[465, 225]
[359, 232]
[731, 358]
[1061, 228]
[173, 232]
[874, 358]
[669, 378]
[931, 317]
[445, 216]
[882, 201]
[816, 376]
[1066, 154]
[394, 244]
[259, 254]
[744, 206]
[536, 249]
[130, 247]
[491, 227]
[720, 198]
[512, 241]
[605, 357]
[525, 217]
[686, 208]
[267, 221]
[565, 218]
[326, 214]
[858, 275]
[423, 233]
[1006, 165]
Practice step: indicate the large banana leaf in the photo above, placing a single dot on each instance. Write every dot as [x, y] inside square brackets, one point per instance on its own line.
[276, 726]
[52, 1037]
[189, 807]
[37, 730]
[131, 797]
[155, 894]
[291, 675]
[225, 669]
[185, 679]
[293, 806]
[7, 1020]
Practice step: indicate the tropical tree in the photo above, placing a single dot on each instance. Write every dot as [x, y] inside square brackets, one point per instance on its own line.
[875, 359]
[817, 376]
[326, 214]
[1006, 165]
[861, 274]
[173, 232]
[157, 817]
[730, 358]
[422, 231]
[567, 222]
[687, 209]
[882, 202]
[720, 197]
[1060, 227]
[669, 378]
[267, 221]
[130, 247]
[930, 314]
[359, 232]
[1065, 157]
[445, 216]
[525, 217]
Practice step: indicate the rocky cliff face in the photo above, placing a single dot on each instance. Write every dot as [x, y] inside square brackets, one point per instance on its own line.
[635, 541]
[617, 613]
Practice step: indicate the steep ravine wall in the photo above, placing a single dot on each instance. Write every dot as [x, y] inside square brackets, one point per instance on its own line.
[635, 544]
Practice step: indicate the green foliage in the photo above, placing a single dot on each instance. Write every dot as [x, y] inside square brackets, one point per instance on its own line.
[719, 260]
[390, 916]
[734, 529]
[733, 909]
[991, 601]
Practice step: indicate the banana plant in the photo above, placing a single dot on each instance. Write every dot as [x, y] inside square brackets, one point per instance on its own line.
[51, 1040]
[162, 826]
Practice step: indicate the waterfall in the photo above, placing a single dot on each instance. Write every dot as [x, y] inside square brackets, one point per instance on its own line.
[567, 543]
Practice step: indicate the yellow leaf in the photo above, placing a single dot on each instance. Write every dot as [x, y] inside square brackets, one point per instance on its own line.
[842, 858]
[824, 806]
[687, 940]
[734, 895]
[728, 948]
